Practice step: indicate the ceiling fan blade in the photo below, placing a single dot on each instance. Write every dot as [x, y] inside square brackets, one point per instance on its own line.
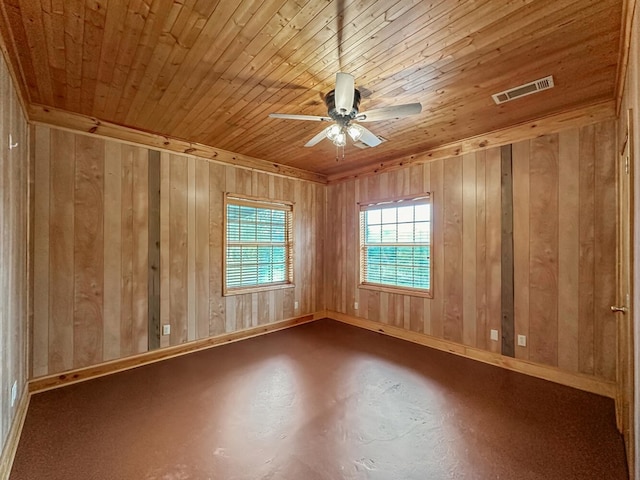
[320, 136]
[388, 113]
[313, 118]
[345, 86]
[369, 138]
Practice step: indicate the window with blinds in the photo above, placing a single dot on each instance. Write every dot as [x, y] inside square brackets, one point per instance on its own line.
[258, 244]
[395, 244]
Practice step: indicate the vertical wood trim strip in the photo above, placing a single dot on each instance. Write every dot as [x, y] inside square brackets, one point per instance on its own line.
[506, 245]
[520, 165]
[154, 246]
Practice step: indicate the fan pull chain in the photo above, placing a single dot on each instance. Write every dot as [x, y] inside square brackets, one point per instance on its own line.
[338, 153]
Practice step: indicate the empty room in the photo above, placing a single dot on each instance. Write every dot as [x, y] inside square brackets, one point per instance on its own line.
[319, 239]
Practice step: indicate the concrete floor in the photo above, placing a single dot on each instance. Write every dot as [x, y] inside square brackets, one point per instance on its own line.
[319, 401]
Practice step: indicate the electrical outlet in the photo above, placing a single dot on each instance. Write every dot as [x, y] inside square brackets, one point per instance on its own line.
[166, 329]
[355, 306]
[14, 392]
[494, 335]
[295, 305]
[522, 340]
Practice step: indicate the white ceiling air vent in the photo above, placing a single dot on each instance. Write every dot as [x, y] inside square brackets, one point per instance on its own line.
[523, 90]
[360, 144]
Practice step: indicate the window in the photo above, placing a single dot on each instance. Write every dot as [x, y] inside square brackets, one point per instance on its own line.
[258, 244]
[395, 245]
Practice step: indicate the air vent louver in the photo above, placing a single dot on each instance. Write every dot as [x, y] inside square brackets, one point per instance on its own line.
[523, 90]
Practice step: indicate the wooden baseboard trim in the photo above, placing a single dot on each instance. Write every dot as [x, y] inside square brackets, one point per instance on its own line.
[50, 382]
[552, 374]
[11, 445]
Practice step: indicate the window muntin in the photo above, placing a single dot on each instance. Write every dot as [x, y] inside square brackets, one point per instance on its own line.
[395, 244]
[258, 244]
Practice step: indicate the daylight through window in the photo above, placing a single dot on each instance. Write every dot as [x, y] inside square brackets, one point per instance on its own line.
[258, 244]
[395, 244]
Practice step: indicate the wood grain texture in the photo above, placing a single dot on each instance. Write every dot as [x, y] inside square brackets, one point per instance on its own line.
[88, 255]
[112, 250]
[493, 239]
[469, 236]
[569, 246]
[520, 153]
[506, 248]
[452, 238]
[61, 228]
[178, 249]
[210, 72]
[605, 257]
[587, 280]
[17, 164]
[543, 263]
[113, 271]
[554, 284]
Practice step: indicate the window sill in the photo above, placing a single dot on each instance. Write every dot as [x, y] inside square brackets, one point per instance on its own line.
[414, 292]
[255, 289]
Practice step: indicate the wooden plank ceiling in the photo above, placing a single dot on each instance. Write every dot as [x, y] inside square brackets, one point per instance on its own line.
[211, 71]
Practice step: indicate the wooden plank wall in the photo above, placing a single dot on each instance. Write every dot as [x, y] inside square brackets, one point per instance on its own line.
[564, 262]
[14, 171]
[91, 225]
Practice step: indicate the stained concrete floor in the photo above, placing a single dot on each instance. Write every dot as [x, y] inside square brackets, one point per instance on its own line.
[319, 401]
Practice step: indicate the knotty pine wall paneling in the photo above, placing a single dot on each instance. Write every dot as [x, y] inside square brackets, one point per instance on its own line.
[92, 241]
[564, 263]
[14, 207]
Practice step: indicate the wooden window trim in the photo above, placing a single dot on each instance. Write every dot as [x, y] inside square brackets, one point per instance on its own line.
[417, 199]
[259, 202]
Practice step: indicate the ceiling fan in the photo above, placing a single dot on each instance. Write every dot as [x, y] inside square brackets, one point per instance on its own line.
[342, 105]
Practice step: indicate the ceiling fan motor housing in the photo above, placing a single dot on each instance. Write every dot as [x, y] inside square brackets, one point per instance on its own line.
[330, 101]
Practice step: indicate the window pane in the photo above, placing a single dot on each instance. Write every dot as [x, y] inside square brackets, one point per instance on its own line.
[403, 259]
[405, 232]
[423, 231]
[389, 215]
[374, 234]
[423, 213]
[389, 233]
[256, 251]
[405, 214]
[373, 217]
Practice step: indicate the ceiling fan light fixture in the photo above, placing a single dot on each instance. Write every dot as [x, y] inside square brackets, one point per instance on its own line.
[340, 140]
[336, 134]
[355, 132]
